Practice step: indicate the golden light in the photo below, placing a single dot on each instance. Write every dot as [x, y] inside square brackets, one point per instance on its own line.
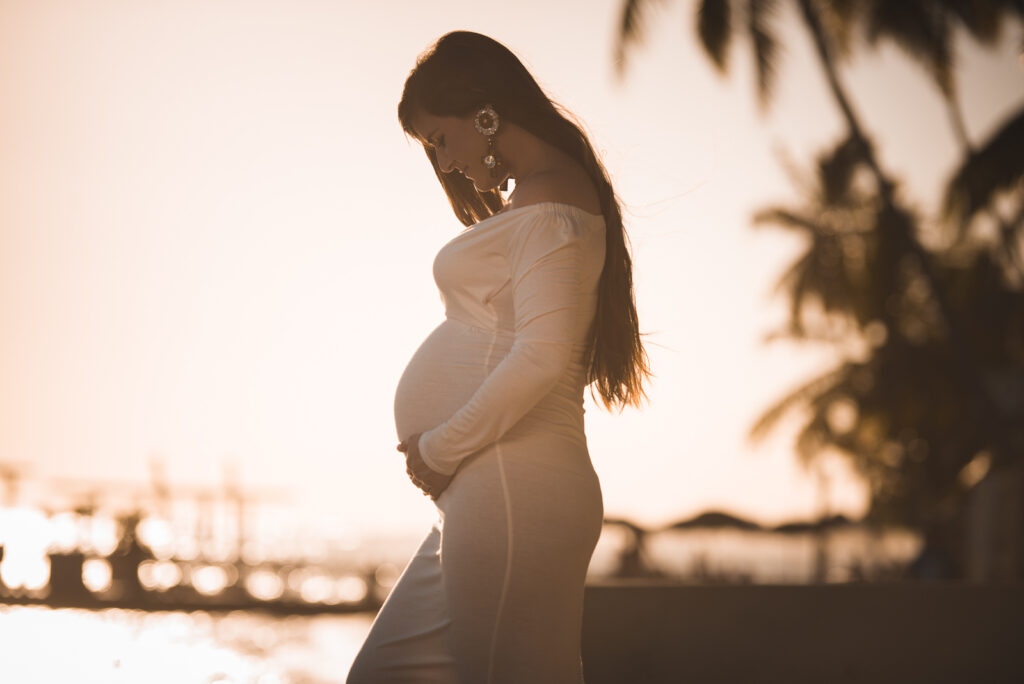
[387, 574]
[26, 536]
[104, 534]
[350, 589]
[186, 548]
[159, 575]
[64, 532]
[891, 453]
[156, 534]
[316, 588]
[876, 333]
[25, 572]
[253, 552]
[97, 575]
[841, 415]
[296, 578]
[209, 580]
[264, 585]
[217, 550]
[975, 471]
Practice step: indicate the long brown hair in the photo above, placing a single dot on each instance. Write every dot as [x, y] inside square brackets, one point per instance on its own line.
[459, 74]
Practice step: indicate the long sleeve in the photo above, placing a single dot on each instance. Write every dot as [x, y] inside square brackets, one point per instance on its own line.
[546, 256]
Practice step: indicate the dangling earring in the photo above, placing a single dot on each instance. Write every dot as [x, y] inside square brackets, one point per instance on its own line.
[486, 122]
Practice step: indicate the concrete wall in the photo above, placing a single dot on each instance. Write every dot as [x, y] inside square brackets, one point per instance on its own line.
[638, 633]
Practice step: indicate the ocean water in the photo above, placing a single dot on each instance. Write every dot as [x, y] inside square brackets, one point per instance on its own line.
[40, 645]
[48, 646]
[701, 555]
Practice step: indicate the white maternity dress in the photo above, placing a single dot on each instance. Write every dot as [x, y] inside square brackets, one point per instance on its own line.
[495, 592]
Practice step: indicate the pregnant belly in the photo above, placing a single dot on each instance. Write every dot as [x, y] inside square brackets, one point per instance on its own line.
[443, 374]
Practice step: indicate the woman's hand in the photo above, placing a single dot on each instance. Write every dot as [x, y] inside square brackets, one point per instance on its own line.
[430, 481]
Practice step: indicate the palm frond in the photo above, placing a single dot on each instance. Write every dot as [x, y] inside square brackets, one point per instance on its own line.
[630, 31]
[765, 47]
[984, 19]
[812, 439]
[921, 29]
[997, 165]
[825, 335]
[838, 18]
[800, 281]
[796, 397]
[1009, 242]
[714, 28]
[787, 218]
[837, 168]
[981, 18]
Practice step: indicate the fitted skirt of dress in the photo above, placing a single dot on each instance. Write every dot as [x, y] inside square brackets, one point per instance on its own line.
[494, 594]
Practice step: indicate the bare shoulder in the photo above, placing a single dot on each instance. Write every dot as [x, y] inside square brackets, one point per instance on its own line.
[565, 187]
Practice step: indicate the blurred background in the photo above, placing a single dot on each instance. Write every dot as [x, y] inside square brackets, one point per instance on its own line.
[215, 262]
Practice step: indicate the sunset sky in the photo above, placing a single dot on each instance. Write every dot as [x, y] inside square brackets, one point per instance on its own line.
[216, 242]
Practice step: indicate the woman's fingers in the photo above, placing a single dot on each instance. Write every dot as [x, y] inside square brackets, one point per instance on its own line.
[406, 444]
[421, 484]
[432, 483]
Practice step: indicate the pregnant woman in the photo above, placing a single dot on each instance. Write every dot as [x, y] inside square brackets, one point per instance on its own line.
[539, 304]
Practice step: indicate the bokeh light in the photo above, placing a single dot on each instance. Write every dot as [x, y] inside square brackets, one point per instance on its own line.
[265, 585]
[209, 580]
[97, 575]
[160, 575]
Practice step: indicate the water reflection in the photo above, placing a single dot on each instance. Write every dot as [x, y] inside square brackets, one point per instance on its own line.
[716, 548]
[199, 624]
[130, 646]
[90, 560]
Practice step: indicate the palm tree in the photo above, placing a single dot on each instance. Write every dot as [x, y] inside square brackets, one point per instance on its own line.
[830, 27]
[930, 391]
[891, 405]
[994, 169]
[923, 29]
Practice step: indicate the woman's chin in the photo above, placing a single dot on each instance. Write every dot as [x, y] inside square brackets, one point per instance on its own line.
[485, 186]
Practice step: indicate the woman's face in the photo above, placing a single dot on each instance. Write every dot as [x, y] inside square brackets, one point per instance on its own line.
[457, 145]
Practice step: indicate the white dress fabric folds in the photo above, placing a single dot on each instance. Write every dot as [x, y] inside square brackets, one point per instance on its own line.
[494, 595]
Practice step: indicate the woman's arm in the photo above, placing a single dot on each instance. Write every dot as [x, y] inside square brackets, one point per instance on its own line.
[546, 257]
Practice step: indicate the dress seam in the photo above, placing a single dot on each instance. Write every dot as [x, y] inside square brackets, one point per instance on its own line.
[508, 546]
[508, 565]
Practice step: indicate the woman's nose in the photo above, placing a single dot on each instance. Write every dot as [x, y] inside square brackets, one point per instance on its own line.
[444, 162]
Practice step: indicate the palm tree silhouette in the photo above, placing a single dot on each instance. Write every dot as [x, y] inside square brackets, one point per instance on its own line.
[924, 30]
[939, 378]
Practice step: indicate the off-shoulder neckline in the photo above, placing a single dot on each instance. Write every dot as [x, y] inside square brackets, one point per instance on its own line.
[552, 205]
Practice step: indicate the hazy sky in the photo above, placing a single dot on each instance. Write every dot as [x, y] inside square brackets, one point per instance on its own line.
[216, 243]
